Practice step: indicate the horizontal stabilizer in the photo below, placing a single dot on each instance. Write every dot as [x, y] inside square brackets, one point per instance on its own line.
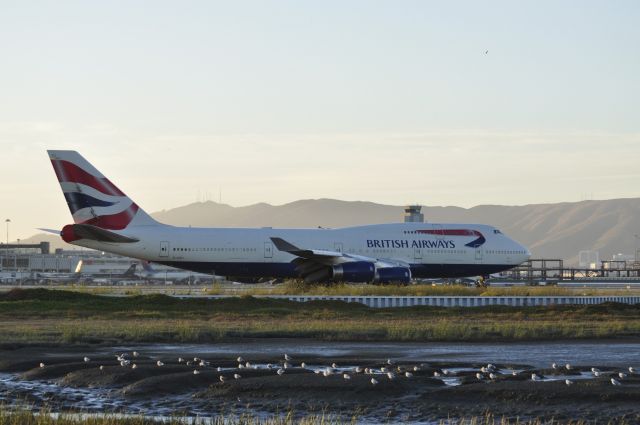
[54, 231]
[73, 232]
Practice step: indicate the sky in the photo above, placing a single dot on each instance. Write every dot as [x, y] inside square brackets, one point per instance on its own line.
[438, 103]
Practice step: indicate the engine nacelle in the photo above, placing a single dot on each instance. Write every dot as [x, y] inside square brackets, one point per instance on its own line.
[366, 272]
[393, 275]
[357, 271]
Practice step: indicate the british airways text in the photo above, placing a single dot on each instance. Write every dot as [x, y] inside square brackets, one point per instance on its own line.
[401, 243]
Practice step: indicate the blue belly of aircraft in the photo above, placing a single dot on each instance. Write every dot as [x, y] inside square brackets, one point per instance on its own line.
[287, 270]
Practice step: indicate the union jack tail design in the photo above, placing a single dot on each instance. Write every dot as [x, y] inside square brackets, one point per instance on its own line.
[91, 197]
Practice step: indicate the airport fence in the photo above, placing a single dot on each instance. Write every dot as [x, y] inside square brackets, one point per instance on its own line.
[453, 301]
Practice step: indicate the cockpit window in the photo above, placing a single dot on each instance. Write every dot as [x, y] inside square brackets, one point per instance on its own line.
[497, 232]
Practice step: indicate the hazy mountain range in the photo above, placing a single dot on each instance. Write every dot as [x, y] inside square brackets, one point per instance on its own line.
[549, 230]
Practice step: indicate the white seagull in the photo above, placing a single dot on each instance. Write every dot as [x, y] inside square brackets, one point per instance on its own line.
[615, 382]
[374, 381]
[86, 359]
[159, 363]
[568, 382]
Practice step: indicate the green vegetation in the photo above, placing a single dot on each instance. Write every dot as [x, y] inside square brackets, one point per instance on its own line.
[39, 315]
[292, 287]
[12, 416]
[295, 287]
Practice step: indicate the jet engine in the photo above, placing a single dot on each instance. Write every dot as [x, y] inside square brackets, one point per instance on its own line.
[357, 271]
[367, 272]
[393, 275]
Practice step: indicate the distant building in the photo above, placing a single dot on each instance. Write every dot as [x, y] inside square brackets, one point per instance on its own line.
[588, 259]
[412, 214]
[623, 257]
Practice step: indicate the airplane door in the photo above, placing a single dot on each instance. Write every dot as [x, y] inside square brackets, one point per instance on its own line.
[268, 250]
[337, 246]
[164, 249]
[417, 254]
[478, 255]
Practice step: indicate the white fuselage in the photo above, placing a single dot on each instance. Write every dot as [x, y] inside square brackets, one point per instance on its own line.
[251, 253]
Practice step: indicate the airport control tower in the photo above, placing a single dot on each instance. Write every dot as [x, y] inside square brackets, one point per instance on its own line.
[412, 214]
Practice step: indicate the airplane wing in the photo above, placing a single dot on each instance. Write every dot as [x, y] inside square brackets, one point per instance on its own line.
[316, 265]
[317, 254]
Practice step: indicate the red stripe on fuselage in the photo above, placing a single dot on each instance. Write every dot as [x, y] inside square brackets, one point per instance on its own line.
[451, 232]
[70, 172]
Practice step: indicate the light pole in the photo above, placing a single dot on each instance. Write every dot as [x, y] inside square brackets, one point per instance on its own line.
[6, 254]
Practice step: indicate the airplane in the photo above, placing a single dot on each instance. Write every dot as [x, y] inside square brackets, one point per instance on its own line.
[173, 275]
[108, 220]
[130, 273]
[61, 277]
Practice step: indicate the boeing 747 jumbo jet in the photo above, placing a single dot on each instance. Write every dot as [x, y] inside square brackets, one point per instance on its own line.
[108, 220]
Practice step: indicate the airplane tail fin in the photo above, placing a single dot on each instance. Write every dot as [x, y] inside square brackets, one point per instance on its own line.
[78, 267]
[131, 271]
[92, 199]
[146, 266]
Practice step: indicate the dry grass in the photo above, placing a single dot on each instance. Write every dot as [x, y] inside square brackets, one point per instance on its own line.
[64, 317]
